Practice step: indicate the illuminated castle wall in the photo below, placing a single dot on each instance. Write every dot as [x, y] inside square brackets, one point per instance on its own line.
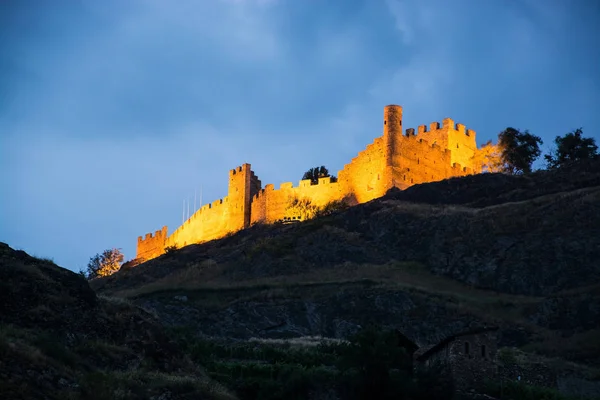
[395, 159]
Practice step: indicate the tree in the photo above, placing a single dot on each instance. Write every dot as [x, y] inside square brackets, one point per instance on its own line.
[318, 172]
[301, 207]
[571, 147]
[104, 264]
[518, 150]
[489, 157]
[374, 366]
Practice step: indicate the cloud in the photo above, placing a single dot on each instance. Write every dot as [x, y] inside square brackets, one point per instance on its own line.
[415, 20]
[139, 58]
[117, 111]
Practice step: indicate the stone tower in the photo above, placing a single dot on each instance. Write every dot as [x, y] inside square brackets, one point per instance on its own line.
[392, 132]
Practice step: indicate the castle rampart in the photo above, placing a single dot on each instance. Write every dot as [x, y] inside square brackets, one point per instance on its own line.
[151, 246]
[455, 137]
[270, 205]
[395, 159]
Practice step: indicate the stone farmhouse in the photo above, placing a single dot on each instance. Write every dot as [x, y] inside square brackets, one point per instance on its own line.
[470, 356]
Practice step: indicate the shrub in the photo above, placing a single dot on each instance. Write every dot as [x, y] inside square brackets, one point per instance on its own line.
[104, 264]
[170, 249]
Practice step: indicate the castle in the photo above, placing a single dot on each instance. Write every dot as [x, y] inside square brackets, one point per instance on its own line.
[395, 159]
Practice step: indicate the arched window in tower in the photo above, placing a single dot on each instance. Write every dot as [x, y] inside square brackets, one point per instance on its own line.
[467, 348]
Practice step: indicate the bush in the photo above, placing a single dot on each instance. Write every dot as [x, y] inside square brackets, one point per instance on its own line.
[170, 249]
[132, 263]
[331, 207]
[104, 264]
[370, 366]
[521, 391]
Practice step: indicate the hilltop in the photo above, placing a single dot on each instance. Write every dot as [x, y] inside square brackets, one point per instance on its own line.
[397, 159]
[517, 252]
[475, 229]
[520, 252]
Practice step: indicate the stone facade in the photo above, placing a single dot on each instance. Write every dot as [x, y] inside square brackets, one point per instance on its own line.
[395, 159]
[470, 355]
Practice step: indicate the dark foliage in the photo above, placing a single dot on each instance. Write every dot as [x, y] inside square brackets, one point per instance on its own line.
[570, 148]
[519, 150]
[318, 172]
[370, 366]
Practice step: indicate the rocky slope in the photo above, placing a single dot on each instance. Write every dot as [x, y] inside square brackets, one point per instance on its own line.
[519, 252]
[517, 235]
[58, 340]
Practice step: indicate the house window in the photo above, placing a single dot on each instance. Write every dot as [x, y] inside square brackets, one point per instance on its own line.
[467, 348]
[483, 351]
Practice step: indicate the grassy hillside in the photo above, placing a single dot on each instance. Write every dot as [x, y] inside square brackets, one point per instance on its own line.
[58, 340]
[518, 252]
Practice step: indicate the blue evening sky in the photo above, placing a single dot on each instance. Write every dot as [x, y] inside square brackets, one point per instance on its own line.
[113, 112]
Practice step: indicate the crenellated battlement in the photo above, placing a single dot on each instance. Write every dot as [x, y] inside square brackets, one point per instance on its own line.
[302, 184]
[447, 124]
[156, 235]
[151, 245]
[398, 158]
[235, 170]
[241, 169]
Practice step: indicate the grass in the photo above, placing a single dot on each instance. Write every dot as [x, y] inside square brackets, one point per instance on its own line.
[410, 277]
[120, 301]
[92, 369]
[579, 346]
[274, 369]
[142, 385]
[406, 276]
[263, 369]
[520, 391]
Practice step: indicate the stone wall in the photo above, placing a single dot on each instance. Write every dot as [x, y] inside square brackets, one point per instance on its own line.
[454, 137]
[393, 159]
[152, 245]
[269, 205]
[471, 358]
[364, 178]
[211, 221]
[416, 161]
